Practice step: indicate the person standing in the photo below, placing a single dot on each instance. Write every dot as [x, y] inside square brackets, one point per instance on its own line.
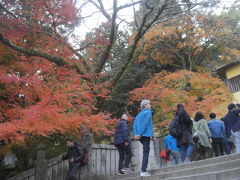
[232, 124]
[227, 142]
[74, 156]
[143, 131]
[203, 143]
[185, 140]
[170, 143]
[122, 143]
[217, 129]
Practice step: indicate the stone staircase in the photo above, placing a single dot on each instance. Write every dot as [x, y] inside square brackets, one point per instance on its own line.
[220, 168]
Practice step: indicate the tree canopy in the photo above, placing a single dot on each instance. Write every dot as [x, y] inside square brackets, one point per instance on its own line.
[53, 80]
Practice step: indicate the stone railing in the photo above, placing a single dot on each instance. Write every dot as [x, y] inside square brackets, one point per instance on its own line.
[103, 161]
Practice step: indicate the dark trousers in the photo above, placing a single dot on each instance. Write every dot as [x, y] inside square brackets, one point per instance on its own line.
[72, 171]
[228, 147]
[217, 145]
[125, 155]
[146, 148]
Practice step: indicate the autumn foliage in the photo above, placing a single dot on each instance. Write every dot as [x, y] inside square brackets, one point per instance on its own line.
[52, 80]
[189, 41]
[197, 91]
[38, 98]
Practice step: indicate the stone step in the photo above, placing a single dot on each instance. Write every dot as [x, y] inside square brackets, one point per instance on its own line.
[182, 167]
[209, 161]
[230, 174]
[198, 170]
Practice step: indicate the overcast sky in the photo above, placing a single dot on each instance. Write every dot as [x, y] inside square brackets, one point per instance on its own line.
[127, 13]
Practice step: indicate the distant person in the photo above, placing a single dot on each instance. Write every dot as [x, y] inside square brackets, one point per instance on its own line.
[232, 124]
[74, 156]
[227, 142]
[185, 140]
[122, 143]
[217, 129]
[170, 143]
[143, 131]
[203, 143]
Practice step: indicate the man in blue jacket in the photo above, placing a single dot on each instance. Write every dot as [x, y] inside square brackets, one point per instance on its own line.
[217, 129]
[122, 143]
[143, 131]
[232, 124]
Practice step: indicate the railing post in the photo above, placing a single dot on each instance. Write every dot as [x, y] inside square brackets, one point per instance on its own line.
[87, 142]
[156, 145]
[41, 164]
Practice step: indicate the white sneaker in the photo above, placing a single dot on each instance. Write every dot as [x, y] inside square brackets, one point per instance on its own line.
[143, 174]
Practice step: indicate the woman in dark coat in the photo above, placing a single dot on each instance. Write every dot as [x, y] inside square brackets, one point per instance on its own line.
[185, 141]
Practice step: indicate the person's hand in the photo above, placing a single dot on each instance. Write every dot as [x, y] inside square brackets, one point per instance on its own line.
[137, 137]
[71, 160]
[210, 139]
[126, 143]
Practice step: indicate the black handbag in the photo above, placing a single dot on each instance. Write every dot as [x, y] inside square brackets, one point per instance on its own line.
[195, 135]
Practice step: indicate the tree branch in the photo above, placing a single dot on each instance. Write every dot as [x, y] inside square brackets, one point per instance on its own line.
[7, 11]
[124, 20]
[100, 6]
[129, 5]
[104, 56]
[135, 17]
[62, 40]
[189, 59]
[31, 52]
[132, 48]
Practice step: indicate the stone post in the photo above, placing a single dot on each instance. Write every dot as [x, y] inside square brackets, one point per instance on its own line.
[87, 142]
[156, 144]
[41, 164]
[137, 150]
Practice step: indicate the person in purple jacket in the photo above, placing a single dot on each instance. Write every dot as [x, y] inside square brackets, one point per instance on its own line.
[122, 143]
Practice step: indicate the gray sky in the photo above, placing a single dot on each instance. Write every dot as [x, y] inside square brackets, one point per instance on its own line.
[127, 14]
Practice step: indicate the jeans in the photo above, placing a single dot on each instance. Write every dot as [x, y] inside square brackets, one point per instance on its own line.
[236, 140]
[174, 157]
[217, 145]
[125, 155]
[146, 148]
[186, 151]
[72, 171]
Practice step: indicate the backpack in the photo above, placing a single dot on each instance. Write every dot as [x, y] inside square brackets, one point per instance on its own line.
[85, 158]
[175, 128]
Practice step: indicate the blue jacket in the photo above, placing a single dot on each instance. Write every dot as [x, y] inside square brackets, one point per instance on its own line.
[122, 132]
[143, 125]
[232, 121]
[217, 128]
[170, 143]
